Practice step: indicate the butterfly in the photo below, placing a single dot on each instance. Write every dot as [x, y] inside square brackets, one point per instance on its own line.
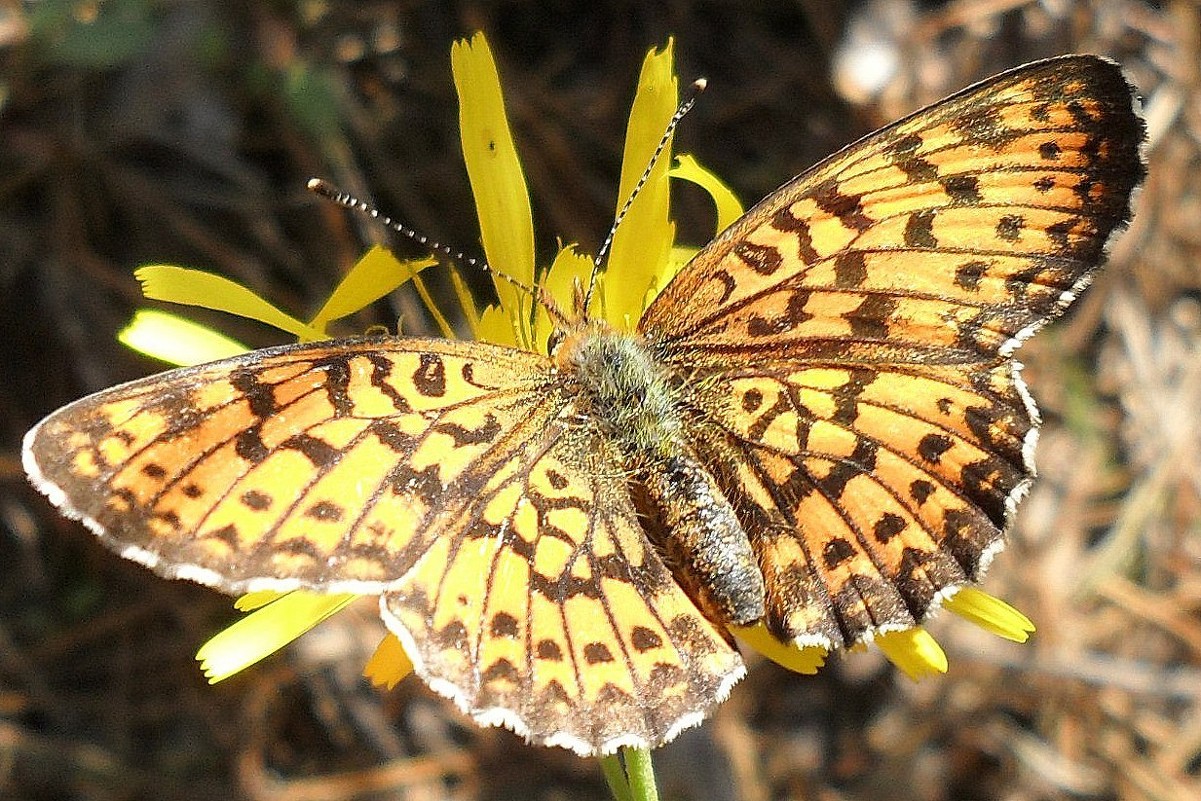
[818, 425]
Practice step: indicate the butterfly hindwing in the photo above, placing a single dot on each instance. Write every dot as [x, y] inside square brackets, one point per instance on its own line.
[582, 638]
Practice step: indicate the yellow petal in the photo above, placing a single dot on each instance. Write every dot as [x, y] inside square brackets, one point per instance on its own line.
[643, 241]
[196, 288]
[914, 651]
[679, 256]
[162, 335]
[991, 614]
[265, 631]
[499, 326]
[466, 301]
[374, 275]
[729, 207]
[389, 664]
[801, 659]
[502, 200]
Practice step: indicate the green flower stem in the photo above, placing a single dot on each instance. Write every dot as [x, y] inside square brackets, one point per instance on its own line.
[641, 774]
[635, 781]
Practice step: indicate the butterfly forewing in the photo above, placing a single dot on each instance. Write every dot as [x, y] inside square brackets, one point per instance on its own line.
[964, 224]
[323, 466]
[851, 338]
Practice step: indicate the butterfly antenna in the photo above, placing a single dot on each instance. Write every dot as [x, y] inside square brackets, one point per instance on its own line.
[698, 86]
[330, 192]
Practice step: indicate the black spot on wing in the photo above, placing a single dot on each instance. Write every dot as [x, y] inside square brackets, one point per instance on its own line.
[728, 285]
[982, 124]
[256, 501]
[324, 511]
[888, 526]
[861, 461]
[919, 229]
[920, 490]
[556, 479]
[259, 395]
[933, 446]
[643, 639]
[319, 452]
[793, 316]
[763, 259]
[549, 650]
[381, 371]
[502, 670]
[485, 432]
[430, 376]
[870, 318]
[752, 399]
[249, 445]
[837, 551]
[962, 189]
[504, 625]
[968, 274]
[847, 208]
[1009, 227]
[850, 269]
[337, 384]
[596, 653]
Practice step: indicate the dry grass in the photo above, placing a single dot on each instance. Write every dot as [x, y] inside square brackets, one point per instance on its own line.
[193, 148]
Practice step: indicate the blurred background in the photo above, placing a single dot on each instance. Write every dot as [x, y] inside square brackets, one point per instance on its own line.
[178, 131]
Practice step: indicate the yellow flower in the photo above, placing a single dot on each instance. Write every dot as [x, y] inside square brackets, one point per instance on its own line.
[502, 200]
[643, 258]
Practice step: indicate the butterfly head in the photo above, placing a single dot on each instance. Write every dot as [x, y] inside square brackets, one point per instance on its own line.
[565, 324]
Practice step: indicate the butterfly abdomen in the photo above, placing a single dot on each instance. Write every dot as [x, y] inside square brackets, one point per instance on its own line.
[625, 390]
[703, 541]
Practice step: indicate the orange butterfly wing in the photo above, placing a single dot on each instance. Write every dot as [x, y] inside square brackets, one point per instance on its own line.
[851, 339]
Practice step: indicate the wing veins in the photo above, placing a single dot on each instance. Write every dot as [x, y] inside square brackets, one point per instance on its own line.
[317, 475]
[206, 453]
[869, 154]
[744, 441]
[797, 282]
[388, 477]
[851, 526]
[897, 369]
[522, 475]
